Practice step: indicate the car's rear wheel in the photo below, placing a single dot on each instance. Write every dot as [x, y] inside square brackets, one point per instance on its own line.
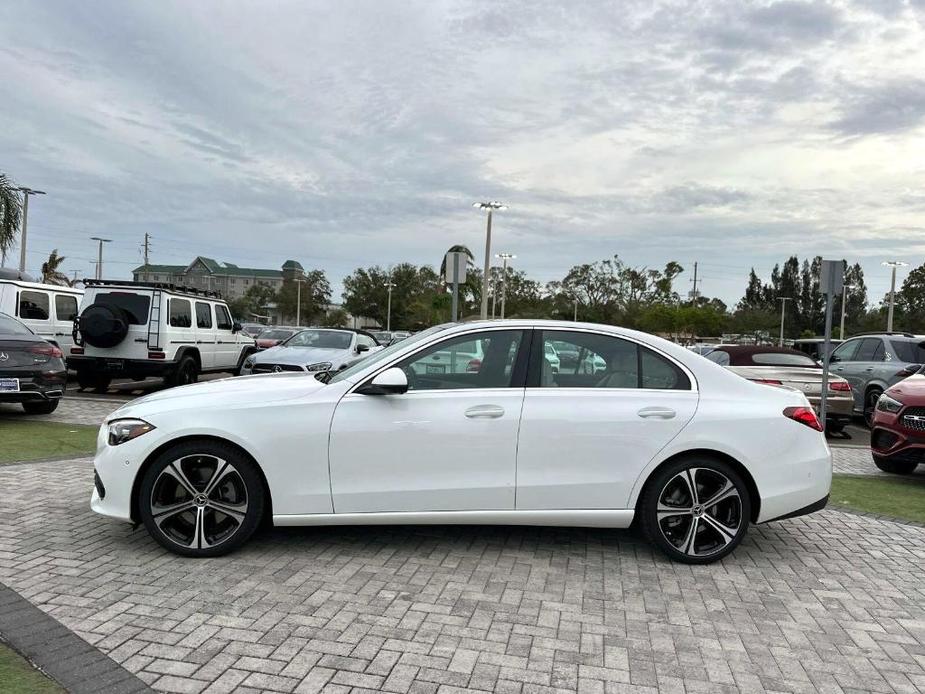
[896, 467]
[94, 382]
[695, 510]
[870, 405]
[201, 499]
[42, 407]
[187, 372]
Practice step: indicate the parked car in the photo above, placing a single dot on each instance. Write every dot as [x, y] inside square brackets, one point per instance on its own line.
[253, 329]
[274, 336]
[383, 337]
[788, 368]
[814, 346]
[897, 436]
[873, 363]
[47, 309]
[318, 350]
[140, 329]
[702, 349]
[32, 369]
[691, 451]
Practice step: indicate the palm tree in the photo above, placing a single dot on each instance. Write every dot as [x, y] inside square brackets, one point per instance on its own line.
[10, 213]
[50, 272]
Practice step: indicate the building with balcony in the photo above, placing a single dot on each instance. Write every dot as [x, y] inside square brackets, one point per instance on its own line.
[227, 279]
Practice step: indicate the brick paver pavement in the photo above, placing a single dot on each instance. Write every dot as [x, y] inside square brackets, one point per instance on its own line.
[71, 410]
[831, 602]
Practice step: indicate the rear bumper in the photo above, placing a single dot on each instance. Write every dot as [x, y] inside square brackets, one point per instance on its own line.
[121, 368]
[34, 387]
[806, 510]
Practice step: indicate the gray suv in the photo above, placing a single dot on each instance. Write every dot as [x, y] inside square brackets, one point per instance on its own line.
[872, 363]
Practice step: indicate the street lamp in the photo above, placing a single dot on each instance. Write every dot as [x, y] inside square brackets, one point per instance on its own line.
[504, 258]
[491, 206]
[298, 302]
[388, 310]
[844, 301]
[26, 192]
[783, 305]
[99, 256]
[892, 264]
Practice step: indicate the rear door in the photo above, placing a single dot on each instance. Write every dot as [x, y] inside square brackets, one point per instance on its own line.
[205, 334]
[64, 314]
[844, 365]
[588, 430]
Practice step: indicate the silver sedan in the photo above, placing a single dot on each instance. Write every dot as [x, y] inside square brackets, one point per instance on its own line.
[314, 350]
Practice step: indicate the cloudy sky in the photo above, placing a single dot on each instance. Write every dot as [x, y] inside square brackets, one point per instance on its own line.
[351, 133]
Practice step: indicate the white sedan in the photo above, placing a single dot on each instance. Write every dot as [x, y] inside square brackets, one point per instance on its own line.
[690, 451]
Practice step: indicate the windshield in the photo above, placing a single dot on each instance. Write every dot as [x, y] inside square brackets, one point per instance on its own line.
[321, 339]
[386, 352]
[11, 326]
[274, 334]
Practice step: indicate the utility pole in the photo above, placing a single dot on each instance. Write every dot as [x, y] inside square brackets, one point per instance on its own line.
[26, 192]
[783, 306]
[844, 301]
[491, 206]
[575, 317]
[147, 248]
[892, 264]
[99, 256]
[298, 302]
[504, 258]
[388, 310]
[693, 293]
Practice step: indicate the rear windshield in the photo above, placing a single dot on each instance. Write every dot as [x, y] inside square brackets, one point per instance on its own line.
[782, 359]
[913, 352]
[135, 306]
[10, 326]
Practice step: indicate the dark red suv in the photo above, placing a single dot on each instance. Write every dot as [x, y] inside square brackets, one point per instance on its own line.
[897, 435]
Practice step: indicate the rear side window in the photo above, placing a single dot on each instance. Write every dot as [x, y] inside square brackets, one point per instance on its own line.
[180, 316]
[65, 307]
[222, 317]
[871, 349]
[34, 305]
[719, 357]
[134, 306]
[782, 359]
[912, 352]
[658, 372]
[203, 315]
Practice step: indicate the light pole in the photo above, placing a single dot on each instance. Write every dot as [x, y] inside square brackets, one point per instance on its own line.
[99, 256]
[494, 296]
[504, 258]
[298, 302]
[26, 192]
[575, 316]
[844, 301]
[783, 306]
[892, 264]
[491, 206]
[388, 310]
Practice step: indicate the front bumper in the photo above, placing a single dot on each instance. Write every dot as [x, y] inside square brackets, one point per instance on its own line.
[115, 469]
[891, 440]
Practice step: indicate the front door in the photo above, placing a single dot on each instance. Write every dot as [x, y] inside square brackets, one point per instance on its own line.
[448, 444]
[227, 349]
[594, 417]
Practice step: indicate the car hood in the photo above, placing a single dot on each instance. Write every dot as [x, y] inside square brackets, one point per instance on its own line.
[243, 390]
[911, 391]
[301, 355]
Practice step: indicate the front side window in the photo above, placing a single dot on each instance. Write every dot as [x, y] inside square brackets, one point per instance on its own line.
[366, 340]
[180, 315]
[846, 351]
[223, 318]
[65, 307]
[203, 315]
[34, 305]
[480, 360]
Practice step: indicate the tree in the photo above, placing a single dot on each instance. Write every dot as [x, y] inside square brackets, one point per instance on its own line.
[335, 318]
[10, 213]
[50, 272]
[909, 312]
[315, 295]
[366, 294]
[254, 303]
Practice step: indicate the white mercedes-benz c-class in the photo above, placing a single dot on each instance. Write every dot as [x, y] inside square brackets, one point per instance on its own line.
[469, 423]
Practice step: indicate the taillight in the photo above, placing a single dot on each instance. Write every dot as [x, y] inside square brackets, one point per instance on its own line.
[841, 386]
[77, 350]
[804, 415]
[474, 365]
[46, 350]
[768, 381]
[156, 355]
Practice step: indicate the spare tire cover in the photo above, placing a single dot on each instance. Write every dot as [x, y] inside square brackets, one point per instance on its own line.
[103, 326]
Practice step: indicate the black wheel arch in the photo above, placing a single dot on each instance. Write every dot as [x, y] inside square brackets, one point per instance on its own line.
[190, 352]
[701, 453]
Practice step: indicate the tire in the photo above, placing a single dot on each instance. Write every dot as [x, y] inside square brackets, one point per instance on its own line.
[186, 373]
[103, 326]
[895, 467]
[223, 512]
[672, 532]
[870, 404]
[43, 407]
[94, 382]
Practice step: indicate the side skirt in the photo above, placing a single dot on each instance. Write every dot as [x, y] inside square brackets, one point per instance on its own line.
[579, 518]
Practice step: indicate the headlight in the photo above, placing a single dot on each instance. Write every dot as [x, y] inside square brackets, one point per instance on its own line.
[888, 404]
[320, 366]
[122, 430]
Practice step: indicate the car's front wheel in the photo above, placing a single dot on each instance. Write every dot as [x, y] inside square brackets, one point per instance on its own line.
[201, 499]
[895, 467]
[870, 405]
[695, 510]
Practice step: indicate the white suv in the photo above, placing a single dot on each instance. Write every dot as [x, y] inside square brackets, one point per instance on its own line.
[140, 329]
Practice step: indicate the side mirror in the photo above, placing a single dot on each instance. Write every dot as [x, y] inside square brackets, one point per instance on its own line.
[390, 382]
[236, 327]
[362, 348]
[833, 358]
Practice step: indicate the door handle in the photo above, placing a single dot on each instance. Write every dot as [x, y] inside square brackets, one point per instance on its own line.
[485, 412]
[869, 369]
[657, 413]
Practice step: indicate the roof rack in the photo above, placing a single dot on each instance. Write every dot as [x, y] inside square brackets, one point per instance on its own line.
[884, 332]
[179, 289]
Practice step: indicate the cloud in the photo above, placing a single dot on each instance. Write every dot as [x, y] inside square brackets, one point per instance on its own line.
[896, 106]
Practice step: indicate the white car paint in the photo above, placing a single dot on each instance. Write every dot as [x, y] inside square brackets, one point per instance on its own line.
[529, 456]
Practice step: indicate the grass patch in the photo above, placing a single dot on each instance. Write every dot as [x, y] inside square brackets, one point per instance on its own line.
[900, 497]
[17, 675]
[28, 440]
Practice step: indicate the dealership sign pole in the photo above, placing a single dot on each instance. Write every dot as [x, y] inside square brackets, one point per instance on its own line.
[455, 274]
[831, 282]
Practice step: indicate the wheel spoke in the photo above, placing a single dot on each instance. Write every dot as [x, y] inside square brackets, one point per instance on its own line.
[666, 511]
[173, 509]
[220, 467]
[236, 511]
[199, 534]
[689, 476]
[176, 471]
[726, 492]
[690, 540]
[724, 531]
